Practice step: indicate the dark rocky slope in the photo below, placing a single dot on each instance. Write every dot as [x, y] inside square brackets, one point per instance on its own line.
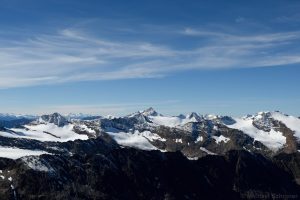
[125, 173]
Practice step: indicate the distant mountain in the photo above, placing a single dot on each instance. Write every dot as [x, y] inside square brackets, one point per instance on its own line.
[11, 120]
[150, 112]
[193, 134]
[54, 118]
[80, 116]
[54, 148]
[7, 116]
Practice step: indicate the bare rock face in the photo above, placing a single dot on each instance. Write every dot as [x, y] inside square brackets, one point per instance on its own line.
[216, 141]
[289, 162]
[135, 174]
[150, 112]
[263, 121]
[15, 122]
[54, 118]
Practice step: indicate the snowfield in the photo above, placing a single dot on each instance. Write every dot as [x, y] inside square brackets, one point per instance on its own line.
[291, 122]
[273, 139]
[45, 132]
[171, 121]
[136, 139]
[16, 153]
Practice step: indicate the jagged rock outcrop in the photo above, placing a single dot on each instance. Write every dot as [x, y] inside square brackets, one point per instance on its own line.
[54, 118]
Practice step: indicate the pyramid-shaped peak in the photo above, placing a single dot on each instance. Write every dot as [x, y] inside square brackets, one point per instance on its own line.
[150, 112]
[193, 115]
[54, 118]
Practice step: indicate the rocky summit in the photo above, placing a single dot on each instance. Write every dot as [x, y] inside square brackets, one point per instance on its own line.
[147, 155]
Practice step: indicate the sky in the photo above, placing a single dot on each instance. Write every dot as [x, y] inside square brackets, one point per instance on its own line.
[115, 57]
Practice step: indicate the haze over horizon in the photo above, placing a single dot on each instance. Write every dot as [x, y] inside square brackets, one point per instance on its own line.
[107, 57]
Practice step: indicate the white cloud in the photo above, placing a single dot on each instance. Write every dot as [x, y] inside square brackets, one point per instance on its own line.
[227, 37]
[71, 55]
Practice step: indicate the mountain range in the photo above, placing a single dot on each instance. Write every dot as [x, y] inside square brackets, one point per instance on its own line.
[147, 155]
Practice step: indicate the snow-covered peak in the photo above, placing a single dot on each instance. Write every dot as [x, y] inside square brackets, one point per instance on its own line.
[271, 138]
[227, 120]
[194, 117]
[150, 112]
[259, 115]
[263, 127]
[265, 119]
[54, 118]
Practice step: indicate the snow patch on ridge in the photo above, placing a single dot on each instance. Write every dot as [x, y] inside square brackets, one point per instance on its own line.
[84, 127]
[291, 122]
[199, 139]
[207, 151]
[221, 138]
[46, 132]
[16, 153]
[35, 163]
[172, 121]
[152, 136]
[136, 139]
[178, 140]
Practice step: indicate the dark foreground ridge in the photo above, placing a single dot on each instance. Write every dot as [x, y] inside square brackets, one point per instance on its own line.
[100, 169]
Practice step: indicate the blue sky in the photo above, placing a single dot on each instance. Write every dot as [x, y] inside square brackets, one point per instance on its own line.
[110, 57]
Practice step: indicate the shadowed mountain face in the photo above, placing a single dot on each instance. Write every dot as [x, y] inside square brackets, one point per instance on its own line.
[54, 118]
[116, 173]
[147, 155]
[10, 121]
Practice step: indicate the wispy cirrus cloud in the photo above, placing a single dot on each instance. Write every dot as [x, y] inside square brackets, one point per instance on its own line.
[72, 55]
[264, 38]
